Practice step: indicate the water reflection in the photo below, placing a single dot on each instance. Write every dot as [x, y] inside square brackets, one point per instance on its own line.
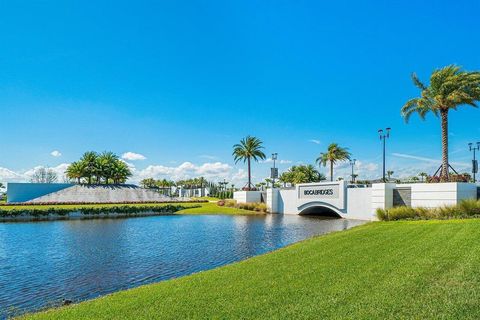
[44, 262]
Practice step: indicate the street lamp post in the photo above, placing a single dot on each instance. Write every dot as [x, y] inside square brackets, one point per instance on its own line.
[383, 137]
[474, 161]
[274, 158]
[352, 163]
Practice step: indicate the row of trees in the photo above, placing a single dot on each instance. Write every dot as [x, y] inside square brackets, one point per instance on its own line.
[220, 190]
[251, 149]
[301, 174]
[449, 88]
[97, 168]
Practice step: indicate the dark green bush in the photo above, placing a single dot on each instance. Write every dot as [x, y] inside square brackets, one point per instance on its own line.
[105, 210]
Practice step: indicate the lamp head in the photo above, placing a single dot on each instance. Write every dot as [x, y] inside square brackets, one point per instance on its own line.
[380, 133]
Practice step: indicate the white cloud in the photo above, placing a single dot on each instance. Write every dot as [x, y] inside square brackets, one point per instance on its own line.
[132, 156]
[281, 161]
[314, 141]
[56, 153]
[7, 175]
[430, 160]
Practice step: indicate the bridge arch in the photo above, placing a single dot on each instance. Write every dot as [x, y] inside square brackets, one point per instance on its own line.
[320, 209]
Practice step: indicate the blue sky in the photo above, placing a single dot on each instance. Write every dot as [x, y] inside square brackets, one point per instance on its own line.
[180, 82]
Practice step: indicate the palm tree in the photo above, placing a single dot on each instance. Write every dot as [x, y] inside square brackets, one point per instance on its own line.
[450, 87]
[301, 174]
[389, 174]
[75, 171]
[354, 177]
[415, 179]
[268, 181]
[423, 175]
[249, 148]
[107, 164]
[90, 164]
[334, 154]
[120, 172]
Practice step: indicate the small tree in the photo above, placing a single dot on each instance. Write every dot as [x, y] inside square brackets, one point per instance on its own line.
[43, 175]
[389, 174]
[423, 176]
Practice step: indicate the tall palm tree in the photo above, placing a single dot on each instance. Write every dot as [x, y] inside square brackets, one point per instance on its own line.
[450, 87]
[334, 154]
[249, 148]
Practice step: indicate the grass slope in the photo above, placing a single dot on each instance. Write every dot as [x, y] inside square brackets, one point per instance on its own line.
[385, 270]
[213, 208]
[197, 208]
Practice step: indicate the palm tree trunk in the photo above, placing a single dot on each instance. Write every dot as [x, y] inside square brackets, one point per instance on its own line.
[331, 170]
[249, 175]
[445, 168]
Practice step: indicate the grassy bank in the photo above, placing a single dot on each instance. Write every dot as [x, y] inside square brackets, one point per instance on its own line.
[384, 270]
[213, 208]
[189, 208]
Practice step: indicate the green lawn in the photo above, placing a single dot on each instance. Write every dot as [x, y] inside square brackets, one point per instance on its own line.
[213, 208]
[382, 270]
[206, 198]
[197, 208]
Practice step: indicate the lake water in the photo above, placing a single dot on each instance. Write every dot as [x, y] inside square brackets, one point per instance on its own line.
[42, 263]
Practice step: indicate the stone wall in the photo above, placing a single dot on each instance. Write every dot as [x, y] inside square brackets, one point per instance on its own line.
[95, 194]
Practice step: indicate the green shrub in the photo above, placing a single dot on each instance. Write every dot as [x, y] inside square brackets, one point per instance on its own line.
[252, 206]
[105, 210]
[230, 203]
[465, 209]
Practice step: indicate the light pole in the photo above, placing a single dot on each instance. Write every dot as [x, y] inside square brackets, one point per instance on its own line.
[383, 137]
[274, 171]
[474, 161]
[352, 163]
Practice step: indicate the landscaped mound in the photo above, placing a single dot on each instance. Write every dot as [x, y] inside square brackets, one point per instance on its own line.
[104, 194]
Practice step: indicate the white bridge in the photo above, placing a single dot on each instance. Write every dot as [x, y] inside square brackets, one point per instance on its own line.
[338, 199]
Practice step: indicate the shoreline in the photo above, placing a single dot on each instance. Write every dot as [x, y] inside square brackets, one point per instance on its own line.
[299, 280]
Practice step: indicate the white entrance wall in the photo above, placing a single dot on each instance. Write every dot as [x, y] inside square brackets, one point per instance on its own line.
[382, 196]
[359, 203]
[440, 194]
[247, 196]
